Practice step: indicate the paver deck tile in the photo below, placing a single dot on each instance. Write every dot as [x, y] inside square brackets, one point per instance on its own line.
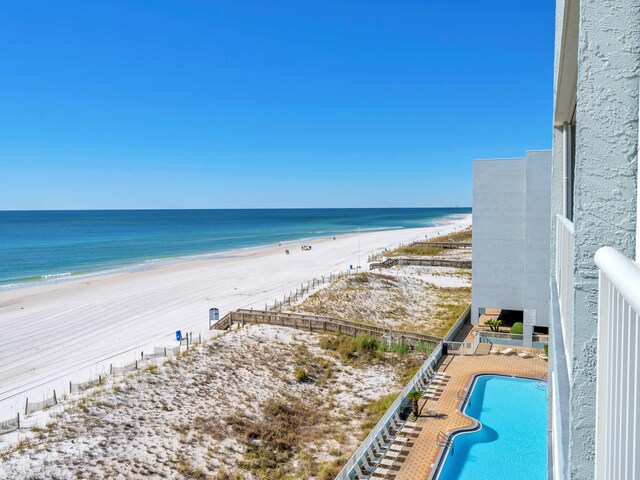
[444, 410]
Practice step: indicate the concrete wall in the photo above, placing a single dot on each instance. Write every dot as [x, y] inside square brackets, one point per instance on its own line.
[537, 240]
[498, 234]
[512, 234]
[605, 188]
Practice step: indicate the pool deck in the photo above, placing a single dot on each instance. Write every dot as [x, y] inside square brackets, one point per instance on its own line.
[423, 450]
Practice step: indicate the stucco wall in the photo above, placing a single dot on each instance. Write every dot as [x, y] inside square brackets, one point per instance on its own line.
[557, 178]
[605, 187]
[537, 234]
[498, 234]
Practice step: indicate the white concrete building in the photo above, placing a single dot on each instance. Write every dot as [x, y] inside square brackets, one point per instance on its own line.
[511, 237]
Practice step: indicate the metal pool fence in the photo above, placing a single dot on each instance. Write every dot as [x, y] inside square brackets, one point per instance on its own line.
[348, 471]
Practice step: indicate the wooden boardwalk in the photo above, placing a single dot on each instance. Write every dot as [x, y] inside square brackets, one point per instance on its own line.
[459, 245]
[421, 262]
[328, 324]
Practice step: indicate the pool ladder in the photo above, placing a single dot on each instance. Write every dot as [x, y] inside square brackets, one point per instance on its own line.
[444, 440]
[542, 382]
[462, 395]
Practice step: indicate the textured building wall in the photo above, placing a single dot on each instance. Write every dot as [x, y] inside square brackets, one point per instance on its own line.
[498, 234]
[557, 178]
[537, 234]
[605, 187]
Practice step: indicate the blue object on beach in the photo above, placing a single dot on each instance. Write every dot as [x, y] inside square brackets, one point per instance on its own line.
[178, 335]
[350, 267]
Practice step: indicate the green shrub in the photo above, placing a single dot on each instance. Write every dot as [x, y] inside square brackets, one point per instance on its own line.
[366, 343]
[424, 348]
[546, 349]
[401, 349]
[517, 328]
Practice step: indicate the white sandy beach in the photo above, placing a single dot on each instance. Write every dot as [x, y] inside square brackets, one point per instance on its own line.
[70, 331]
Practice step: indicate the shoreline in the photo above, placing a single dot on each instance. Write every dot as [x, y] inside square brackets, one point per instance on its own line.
[72, 329]
[153, 263]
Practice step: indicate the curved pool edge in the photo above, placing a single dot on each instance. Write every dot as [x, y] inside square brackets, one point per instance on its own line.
[444, 453]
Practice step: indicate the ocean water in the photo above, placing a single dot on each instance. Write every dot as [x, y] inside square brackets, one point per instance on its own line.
[512, 443]
[41, 245]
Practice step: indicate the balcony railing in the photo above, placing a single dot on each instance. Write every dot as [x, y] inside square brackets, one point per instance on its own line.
[564, 279]
[618, 390]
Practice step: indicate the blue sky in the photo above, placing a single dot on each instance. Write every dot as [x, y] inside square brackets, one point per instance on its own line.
[223, 104]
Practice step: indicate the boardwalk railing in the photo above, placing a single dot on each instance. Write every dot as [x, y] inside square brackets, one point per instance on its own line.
[348, 471]
[421, 262]
[564, 279]
[618, 384]
[327, 324]
[459, 245]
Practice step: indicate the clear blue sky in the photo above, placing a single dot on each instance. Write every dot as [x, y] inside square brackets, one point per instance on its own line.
[222, 104]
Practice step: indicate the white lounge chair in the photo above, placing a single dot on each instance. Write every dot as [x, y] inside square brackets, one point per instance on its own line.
[436, 374]
[361, 474]
[525, 354]
[544, 357]
[399, 421]
[507, 351]
[495, 350]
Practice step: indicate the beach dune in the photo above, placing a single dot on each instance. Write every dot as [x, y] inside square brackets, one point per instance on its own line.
[70, 331]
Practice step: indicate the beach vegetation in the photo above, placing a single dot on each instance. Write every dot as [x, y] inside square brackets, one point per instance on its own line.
[301, 375]
[400, 348]
[271, 441]
[373, 412]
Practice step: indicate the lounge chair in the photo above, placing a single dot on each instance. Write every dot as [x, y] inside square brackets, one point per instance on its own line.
[436, 374]
[393, 454]
[494, 351]
[544, 357]
[525, 354]
[507, 351]
[361, 474]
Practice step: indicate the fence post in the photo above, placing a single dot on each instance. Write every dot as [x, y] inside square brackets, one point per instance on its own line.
[136, 364]
[111, 369]
[55, 398]
[70, 391]
[200, 338]
[142, 356]
[165, 348]
[187, 342]
[18, 420]
[26, 407]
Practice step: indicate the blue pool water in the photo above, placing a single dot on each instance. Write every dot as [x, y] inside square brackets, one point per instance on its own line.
[40, 245]
[512, 443]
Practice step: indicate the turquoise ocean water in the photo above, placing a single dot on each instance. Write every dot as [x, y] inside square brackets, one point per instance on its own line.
[41, 245]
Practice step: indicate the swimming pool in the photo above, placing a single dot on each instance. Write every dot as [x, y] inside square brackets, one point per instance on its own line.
[511, 443]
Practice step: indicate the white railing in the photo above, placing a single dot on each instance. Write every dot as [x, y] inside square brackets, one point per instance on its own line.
[618, 387]
[564, 280]
[348, 471]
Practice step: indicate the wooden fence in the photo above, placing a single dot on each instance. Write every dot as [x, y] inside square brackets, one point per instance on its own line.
[421, 262]
[327, 324]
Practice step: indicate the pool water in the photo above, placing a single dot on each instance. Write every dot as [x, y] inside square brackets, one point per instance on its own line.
[512, 443]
